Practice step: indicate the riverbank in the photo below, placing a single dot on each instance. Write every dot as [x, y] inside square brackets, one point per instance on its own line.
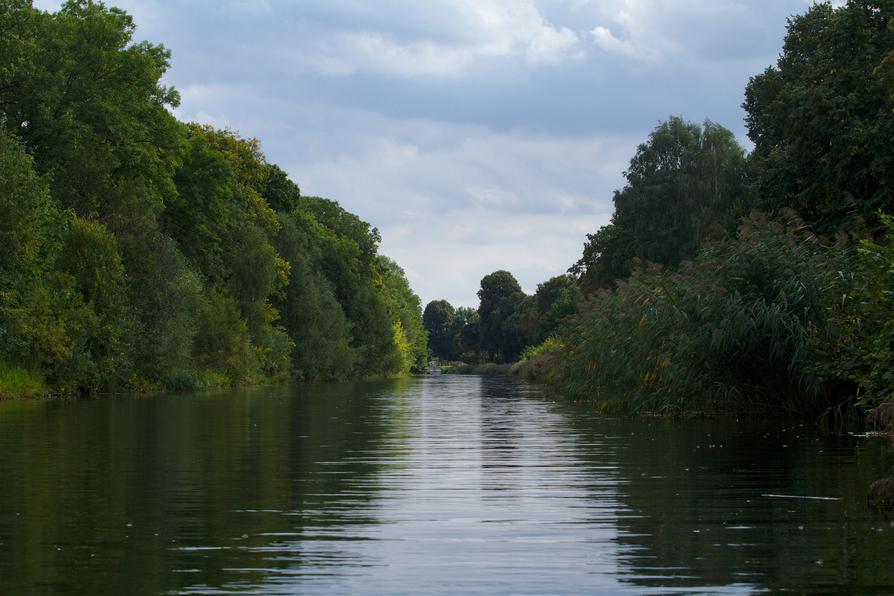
[17, 383]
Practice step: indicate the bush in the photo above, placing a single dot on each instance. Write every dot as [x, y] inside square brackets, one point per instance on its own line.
[16, 381]
[863, 352]
[736, 330]
[191, 380]
[550, 344]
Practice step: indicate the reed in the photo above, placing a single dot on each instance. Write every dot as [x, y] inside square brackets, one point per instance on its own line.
[736, 330]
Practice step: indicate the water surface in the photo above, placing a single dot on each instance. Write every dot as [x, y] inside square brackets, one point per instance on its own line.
[436, 485]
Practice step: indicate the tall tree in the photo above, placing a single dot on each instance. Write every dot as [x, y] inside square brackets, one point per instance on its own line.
[438, 319]
[410, 334]
[499, 310]
[556, 299]
[683, 182]
[821, 119]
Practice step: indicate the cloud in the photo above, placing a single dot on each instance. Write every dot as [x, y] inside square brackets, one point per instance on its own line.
[446, 258]
[693, 31]
[455, 203]
[493, 29]
[630, 48]
[476, 134]
[551, 45]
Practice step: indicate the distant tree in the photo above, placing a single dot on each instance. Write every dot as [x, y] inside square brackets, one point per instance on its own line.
[438, 319]
[821, 119]
[684, 181]
[556, 299]
[465, 333]
[501, 299]
[406, 314]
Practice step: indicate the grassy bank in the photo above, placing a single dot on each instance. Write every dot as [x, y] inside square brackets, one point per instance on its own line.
[17, 382]
[485, 369]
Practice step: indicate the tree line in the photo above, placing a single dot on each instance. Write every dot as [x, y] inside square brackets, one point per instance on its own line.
[141, 252]
[731, 280]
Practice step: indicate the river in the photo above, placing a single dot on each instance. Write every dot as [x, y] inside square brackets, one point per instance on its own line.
[446, 484]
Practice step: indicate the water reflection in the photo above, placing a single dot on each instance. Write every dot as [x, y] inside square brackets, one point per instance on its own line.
[427, 485]
[716, 506]
[178, 494]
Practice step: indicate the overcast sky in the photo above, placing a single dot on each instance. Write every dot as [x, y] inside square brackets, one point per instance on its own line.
[475, 134]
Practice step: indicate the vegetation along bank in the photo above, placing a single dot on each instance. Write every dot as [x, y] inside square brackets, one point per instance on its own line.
[140, 252]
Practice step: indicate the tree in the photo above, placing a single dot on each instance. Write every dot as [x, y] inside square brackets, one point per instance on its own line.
[438, 319]
[410, 334]
[90, 107]
[142, 252]
[683, 182]
[501, 298]
[279, 191]
[309, 310]
[821, 119]
[556, 299]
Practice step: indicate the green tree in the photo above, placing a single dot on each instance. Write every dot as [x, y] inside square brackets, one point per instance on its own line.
[349, 262]
[89, 105]
[438, 319]
[466, 333]
[500, 301]
[684, 182]
[556, 300]
[142, 252]
[406, 313]
[279, 191]
[89, 254]
[821, 119]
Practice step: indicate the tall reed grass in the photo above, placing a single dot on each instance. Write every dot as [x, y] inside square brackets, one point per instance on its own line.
[736, 330]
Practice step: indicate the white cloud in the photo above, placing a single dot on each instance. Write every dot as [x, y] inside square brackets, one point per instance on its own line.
[691, 32]
[445, 258]
[629, 48]
[551, 45]
[492, 29]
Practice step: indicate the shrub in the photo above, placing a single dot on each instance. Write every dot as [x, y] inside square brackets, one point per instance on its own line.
[863, 351]
[16, 381]
[191, 380]
[735, 330]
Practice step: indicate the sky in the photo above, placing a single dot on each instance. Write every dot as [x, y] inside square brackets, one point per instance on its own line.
[476, 135]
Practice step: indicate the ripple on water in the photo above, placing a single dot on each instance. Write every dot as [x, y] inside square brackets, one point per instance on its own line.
[437, 485]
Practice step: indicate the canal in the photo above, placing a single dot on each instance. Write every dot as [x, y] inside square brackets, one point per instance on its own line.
[443, 484]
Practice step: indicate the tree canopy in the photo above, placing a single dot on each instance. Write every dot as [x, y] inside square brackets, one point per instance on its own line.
[821, 119]
[153, 253]
[684, 182]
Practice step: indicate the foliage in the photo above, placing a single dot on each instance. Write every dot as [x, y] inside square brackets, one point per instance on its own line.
[864, 349]
[410, 335]
[144, 252]
[821, 119]
[501, 299]
[556, 299]
[684, 181]
[438, 319]
[310, 313]
[735, 330]
[466, 337]
[16, 381]
[550, 344]
[538, 364]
